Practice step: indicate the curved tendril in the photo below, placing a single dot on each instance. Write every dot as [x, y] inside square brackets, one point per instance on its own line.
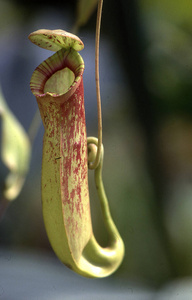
[93, 165]
[92, 145]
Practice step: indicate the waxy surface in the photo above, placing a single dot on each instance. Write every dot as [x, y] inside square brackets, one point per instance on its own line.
[57, 84]
[65, 193]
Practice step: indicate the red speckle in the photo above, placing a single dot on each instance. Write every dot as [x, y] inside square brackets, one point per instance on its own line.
[65, 137]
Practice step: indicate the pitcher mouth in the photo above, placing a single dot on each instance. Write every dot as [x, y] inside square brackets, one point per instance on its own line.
[58, 74]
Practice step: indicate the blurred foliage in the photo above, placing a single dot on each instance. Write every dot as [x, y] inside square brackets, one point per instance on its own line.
[168, 72]
[15, 151]
[85, 8]
[168, 28]
[174, 10]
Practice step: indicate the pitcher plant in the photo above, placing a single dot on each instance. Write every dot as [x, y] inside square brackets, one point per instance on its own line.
[57, 84]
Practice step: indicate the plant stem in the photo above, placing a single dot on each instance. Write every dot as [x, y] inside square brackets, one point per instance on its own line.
[97, 39]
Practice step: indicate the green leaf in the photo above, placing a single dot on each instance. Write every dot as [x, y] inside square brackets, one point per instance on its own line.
[85, 8]
[15, 151]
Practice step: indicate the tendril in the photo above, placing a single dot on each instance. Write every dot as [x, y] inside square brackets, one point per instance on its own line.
[93, 165]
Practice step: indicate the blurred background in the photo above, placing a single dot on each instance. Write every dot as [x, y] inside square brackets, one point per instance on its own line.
[146, 89]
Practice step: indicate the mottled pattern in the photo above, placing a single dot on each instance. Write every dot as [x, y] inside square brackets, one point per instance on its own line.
[74, 187]
[54, 40]
[65, 195]
[64, 170]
